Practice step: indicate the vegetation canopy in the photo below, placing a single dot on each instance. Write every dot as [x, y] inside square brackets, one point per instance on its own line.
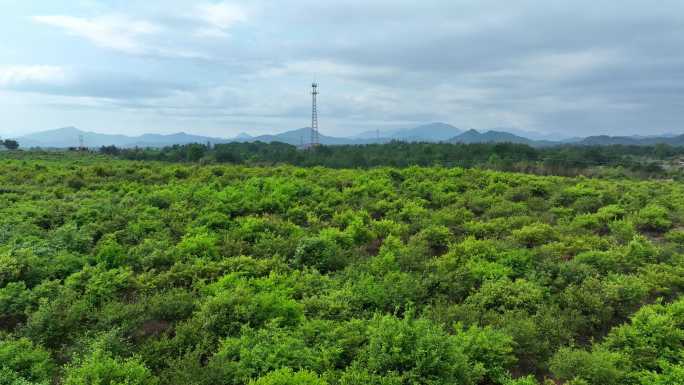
[657, 161]
[116, 271]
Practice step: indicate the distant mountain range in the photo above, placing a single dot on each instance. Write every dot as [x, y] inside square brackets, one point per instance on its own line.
[303, 136]
[69, 137]
[603, 140]
[473, 136]
[433, 132]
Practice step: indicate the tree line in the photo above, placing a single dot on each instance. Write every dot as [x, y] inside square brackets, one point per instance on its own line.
[9, 144]
[647, 161]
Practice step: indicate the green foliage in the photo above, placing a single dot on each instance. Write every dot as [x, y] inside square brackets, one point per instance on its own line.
[653, 218]
[597, 367]
[200, 245]
[502, 295]
[226, 312]
[14, 299]
[648, 350]
[257, 352]
[10, 377]
[418, 352]
[321, 252]
[100, 368]
[534, 235]
[675, 236]
[489, 348]
[288, 377]
[10, 144]
[25, 361]
[137, 272]
[611, 161]
[669, 374]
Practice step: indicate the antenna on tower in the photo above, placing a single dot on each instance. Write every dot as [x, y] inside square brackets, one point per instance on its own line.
[80, 142]
[315, 139]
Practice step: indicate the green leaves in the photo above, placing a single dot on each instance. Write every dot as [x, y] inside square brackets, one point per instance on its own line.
[648, 350]
[100, 368]
[653, 218]
[326, 252]
[417, 351]
[534, 235]
[225, 313]
[211, 275]
[25, 361]
[598, 367]
[287, 376]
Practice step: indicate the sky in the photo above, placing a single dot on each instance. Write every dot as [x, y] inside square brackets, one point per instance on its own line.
[219, 68]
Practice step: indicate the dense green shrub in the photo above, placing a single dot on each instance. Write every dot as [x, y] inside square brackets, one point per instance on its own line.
[288, 377]
[653, 218]
[225, 313]
[418, 352]
[100, 368]
[534, 235]
[597, 367]
[26, 361]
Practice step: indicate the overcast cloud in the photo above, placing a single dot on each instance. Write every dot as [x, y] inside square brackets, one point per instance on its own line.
[220, 68]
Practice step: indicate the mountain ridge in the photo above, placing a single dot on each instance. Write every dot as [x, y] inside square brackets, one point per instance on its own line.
[492, 136]
[605, 140]
[432, 132]
[65, 137]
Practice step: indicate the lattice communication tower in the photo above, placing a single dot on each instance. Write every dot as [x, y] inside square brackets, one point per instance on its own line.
[315, 137]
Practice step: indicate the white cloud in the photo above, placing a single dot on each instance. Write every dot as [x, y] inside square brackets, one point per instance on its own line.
[218, 18]
[329, 68]
[568, 64]
[31, 75]
[222, 15]
[119, 33]
[211, 33]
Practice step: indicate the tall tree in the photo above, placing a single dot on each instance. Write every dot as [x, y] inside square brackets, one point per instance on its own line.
[10, 144]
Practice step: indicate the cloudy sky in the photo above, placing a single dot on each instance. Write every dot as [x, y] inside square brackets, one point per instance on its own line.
[219, 68]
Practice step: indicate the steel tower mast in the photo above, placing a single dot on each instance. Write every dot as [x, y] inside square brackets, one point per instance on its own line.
[315, 138]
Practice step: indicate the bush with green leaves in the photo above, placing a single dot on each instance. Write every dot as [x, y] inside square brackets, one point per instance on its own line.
[101, 368]
[417, 351]
[648, 350]
[225, 313]
[534, 235]
[25, 361]
[653, 218]
[287, 376]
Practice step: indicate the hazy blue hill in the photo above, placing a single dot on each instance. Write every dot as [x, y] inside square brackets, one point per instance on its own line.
[534, 135]
[610, 140]
[159, 140]
[69, 137]
[474, 136]
[303, 136]
[432, 132]
[242, 137]
[605, 140]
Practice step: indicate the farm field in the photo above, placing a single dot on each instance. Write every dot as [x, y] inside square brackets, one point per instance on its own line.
[141, 272]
